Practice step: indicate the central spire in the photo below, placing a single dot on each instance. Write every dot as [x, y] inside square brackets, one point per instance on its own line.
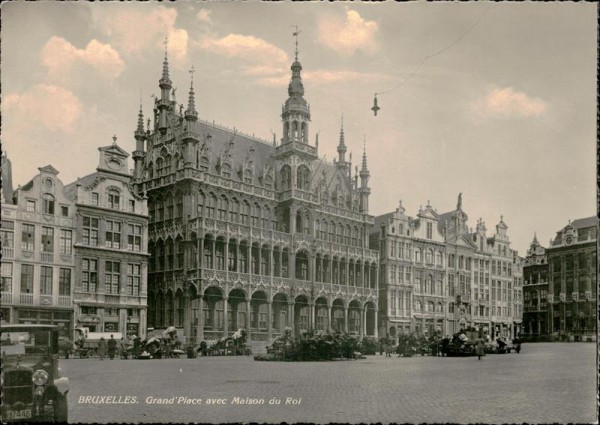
[295, 112]
[342, 144]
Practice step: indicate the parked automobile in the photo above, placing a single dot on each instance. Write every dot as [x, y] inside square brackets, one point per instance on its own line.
[33, 388]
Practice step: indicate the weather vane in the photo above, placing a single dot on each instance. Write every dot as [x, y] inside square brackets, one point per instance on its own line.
[295, 34]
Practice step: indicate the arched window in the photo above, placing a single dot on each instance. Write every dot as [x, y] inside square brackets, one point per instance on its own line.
[48, 204]
[439, 259]
[429, 285]
[247, 176]
[234, 210]
[255, 215]
[167, 165]
[418, 306]
[150, 170]
[211, 205]
[201, 202]
[303, 178]
[269, 181]
[429, 256]
[178, 205]
[223, 205]
[418, 258]
[226, 171]
[159, 167]
[203, 164]
[245, 213]
[169, 207]
[286, 177]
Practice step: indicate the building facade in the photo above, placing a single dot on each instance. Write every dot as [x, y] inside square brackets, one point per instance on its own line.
[246, 233]
[438, 275]
[572, 289]
[535, 292]
[110, 248]
[37, 233]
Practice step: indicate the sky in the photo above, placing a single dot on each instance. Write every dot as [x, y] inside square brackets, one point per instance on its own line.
[496, 101]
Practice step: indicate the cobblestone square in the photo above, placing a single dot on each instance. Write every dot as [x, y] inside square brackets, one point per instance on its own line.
[545, 383]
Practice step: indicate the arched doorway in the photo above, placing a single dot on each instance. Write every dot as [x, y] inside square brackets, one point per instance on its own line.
[301, 313]
[259, 320]
[237, 310]
[338, 318]
[370, 319]
[213, 308]
[321, 314]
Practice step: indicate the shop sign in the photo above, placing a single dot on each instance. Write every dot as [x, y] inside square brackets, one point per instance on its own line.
[89, 318]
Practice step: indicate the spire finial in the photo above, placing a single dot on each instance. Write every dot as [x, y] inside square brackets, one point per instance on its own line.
[364, 158]
[165, 73]
[190, 113]
[295, 34]
[114, 139]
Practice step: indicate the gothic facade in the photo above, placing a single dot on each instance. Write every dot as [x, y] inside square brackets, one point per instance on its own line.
[245, 233]
[439, 275]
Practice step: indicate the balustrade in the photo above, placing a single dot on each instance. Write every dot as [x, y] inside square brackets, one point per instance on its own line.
[7, 298]
[8, 253]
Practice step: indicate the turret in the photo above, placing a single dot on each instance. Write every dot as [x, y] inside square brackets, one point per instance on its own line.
[341, 163]
[295, 113]
[190, 138]
[364, 183]
[138, 154]
[165, 85]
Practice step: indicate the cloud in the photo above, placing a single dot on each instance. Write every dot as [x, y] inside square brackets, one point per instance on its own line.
[136, 30]
[508, 102]
[59, 56]
[349, 35]
[54, 107]
[257, 58]
[247, 47]
[203, 16]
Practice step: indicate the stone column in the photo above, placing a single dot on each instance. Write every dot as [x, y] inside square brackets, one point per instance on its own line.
[362, 329]
[226, 259]
[291, 317]
[248, 318]
[345, 318]
[187, 319]
[200, 323]
[376, 324]
[225, 316]
[362, 274]
[200, 263]
[269, 320]
[311, 315]
[329, 311]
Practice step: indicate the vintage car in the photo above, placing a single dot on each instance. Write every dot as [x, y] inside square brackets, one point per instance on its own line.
[33, 388]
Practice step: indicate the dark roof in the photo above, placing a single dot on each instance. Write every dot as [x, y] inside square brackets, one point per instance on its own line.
[381, 219]
[443, 218]
[586, 228]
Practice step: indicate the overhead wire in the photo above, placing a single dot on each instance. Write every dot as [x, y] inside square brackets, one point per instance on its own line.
[443, 49]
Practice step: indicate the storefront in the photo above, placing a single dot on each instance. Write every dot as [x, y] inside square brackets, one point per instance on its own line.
[61, 318]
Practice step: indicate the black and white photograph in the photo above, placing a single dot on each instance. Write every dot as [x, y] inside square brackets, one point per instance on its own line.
[299, 212]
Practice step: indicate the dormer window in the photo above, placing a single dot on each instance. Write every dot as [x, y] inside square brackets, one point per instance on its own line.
[94, 198]
[48, 204]
[114, 199]
[247, 176]
[226, 171]
[30, 206]
[429, 230]
[269, 182]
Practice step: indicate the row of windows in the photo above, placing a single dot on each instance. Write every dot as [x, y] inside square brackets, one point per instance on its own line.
[48, 203]
[113, 237]
[47, 242]
[46, 274]
[113, 200]
[332, 232]
[112, 277]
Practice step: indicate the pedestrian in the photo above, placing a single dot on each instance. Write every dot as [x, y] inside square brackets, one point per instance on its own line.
[123, 349]
[137, 344]
[480, 347]
[204, 348]
[102, 348]
[112, 347]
